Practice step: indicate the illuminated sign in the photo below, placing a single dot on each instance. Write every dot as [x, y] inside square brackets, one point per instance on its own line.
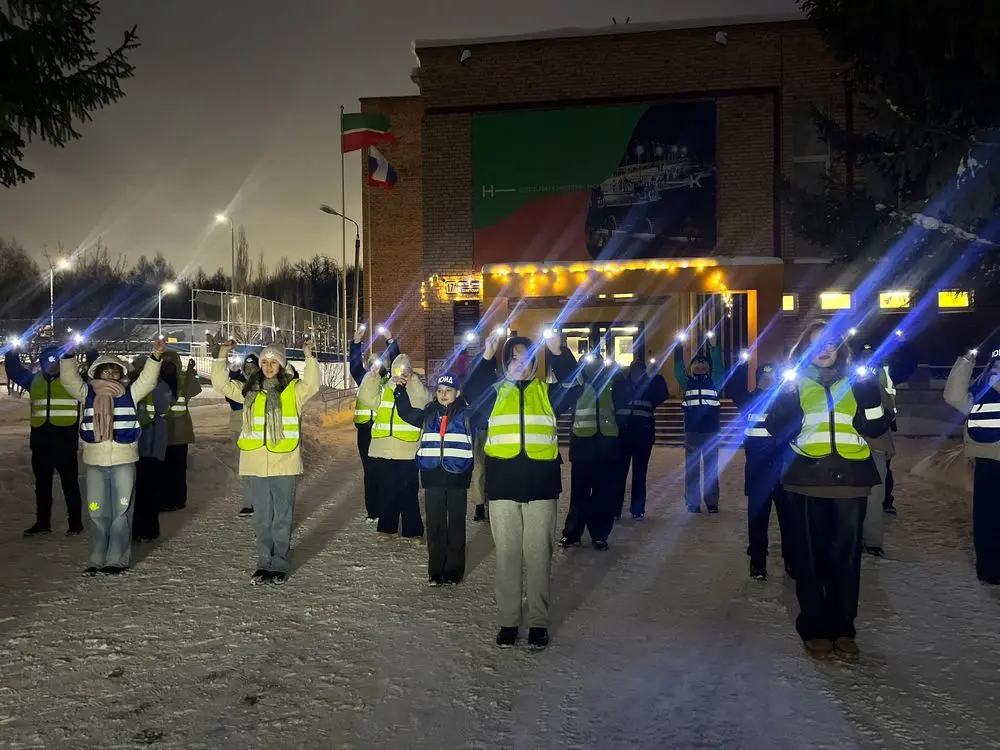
[894, 300]
[954, 300]
[462, 286]
[835, 301]
[788, 302]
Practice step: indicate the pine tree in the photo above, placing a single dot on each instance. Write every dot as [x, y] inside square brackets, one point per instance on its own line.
[926, 81]
[52, 76]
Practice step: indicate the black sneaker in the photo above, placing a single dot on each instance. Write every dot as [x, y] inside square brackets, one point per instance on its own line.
[277, 578]
[875, 551]
[638, 516]
[260, 576]
[480, 514]
[74, 530]
[507, 637]
[693, 509]
[37, 529]
[600, 545]
[758, 574]
[91, 571]
[435, 581]
[246, 511]
[453, 579]
[890, 510]
[113, 570]
[566, 543]
[538, 638]
[713, 509]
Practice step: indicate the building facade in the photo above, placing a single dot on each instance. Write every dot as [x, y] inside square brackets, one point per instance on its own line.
[620, 184]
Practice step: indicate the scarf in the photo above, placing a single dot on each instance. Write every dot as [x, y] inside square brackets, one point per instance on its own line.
[105, 393]
[270, 387]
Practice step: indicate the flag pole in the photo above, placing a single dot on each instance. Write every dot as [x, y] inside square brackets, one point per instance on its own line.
[343, 240]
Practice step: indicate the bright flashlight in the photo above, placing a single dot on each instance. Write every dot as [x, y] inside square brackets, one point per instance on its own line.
[852, 331]
[790, 374]
[362, 327]
[381, 331]
[15, 341]
[862, 371]
[78, 338]
[588, 358]
[744, 356]
[498, 331]
[377, 363]
[652, 360]
[549, 333]
[899, 333]
[710, 335]
[974, 352]
[681, 336]
[470, 337]
[607, 362]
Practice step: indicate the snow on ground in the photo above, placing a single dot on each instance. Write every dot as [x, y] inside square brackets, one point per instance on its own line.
[662, 642]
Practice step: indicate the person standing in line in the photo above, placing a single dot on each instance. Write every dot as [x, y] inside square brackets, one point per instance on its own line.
[149, 479]
[828, 412]
[393, 450]
[523, 476]
[445, 459]
[979, 400]
[701, 383]
[594, 455]
[644, 393]
[364, 417]
[883, 449]
[54, 438]
[270, 453]
[109, 429]
[477, 486]
[765, 456]
[184, 385]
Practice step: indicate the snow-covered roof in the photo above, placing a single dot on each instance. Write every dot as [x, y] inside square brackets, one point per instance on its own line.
[621, 28]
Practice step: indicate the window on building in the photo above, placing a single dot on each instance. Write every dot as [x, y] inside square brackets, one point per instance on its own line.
[810, 153]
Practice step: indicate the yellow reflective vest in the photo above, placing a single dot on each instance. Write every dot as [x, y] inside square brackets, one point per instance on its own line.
[828, 423]
[52, 404]
[388, 423]
[178, 407]
[593, 412]
[362, 414]
[255, 436]
[522, 421]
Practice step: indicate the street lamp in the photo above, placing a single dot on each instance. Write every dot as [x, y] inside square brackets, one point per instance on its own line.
[167, 288]
[223, 219]
[357, 261]
[60, 265]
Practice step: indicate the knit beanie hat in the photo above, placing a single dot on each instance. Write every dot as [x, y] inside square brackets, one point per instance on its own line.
[273, 352]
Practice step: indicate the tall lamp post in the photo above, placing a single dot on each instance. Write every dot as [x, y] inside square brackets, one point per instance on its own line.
[60, 265]
[357, 259]
[223, 219]
[167, 288]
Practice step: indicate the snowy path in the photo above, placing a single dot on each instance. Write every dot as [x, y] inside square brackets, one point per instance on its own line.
[660, 643]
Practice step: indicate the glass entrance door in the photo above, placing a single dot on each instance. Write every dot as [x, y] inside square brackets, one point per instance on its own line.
[619, 341]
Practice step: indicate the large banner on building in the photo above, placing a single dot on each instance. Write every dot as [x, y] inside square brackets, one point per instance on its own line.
[626, 181]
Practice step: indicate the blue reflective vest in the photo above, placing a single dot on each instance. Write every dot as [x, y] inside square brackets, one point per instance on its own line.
[701, 405]
[126, 427]
[451, 450]
[983, 423]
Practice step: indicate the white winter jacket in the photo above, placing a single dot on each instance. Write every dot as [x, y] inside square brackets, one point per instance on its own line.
[109, 453]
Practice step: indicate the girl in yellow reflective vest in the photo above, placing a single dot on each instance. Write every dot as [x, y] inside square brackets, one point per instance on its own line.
[270, 457]
[827, 411]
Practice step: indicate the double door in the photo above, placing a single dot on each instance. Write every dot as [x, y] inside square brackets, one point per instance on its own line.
[618, 340]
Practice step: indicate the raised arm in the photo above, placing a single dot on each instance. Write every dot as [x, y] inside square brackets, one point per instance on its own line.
[718, 366]
[956, 388]
[680, 369]
[69, 375]
[231, 389]
[307, 385]
[356, 359]
[16, 370]
[370, 391]
[406, 410]
[148, 378]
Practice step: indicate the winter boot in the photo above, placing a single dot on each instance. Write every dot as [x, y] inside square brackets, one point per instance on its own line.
[246, 511]
[436, 580]
[114, 570]
[846, 649]
[713, 509]
[818, 648]
[507, 637]
[36, 529]
[538, 638]
[758, 573]
[91, 571]
[875, 551]
[600, 545]
[260, 576]
[566, 543]
[277, 578]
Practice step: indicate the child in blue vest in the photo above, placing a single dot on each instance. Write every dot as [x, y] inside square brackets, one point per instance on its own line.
[110, 432]
[445, 458]
[701, 384]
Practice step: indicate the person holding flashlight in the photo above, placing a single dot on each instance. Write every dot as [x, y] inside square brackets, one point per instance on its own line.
[363, 416]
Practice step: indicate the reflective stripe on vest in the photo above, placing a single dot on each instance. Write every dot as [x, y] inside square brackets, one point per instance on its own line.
[362, 414]
[593, 412]
[755, 426]
[255, 437]
[453, 450]
[522, 421]
[51, 402]
[388, 423]
[828, 423]
[887, 383]
[126, 425]
[983, 422]
[700, 397]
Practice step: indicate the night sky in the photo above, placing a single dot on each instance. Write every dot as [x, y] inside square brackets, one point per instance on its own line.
[234, 107]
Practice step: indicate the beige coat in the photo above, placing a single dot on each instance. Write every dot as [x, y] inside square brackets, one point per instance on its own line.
[370, 396]
[956, 394]
[109, 453]
[261, 462]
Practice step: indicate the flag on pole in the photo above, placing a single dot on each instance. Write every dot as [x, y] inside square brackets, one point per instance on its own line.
[380, 171]
[363, 129]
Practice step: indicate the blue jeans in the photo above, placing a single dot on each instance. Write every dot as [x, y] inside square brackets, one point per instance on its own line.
[110, 504]
[273, 502]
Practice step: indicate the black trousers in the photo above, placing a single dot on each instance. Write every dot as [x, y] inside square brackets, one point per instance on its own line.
[175, 483]
[45, 462]
[371, 480]
[592, 500]
[986, 518]
[890, 484]
[828, 565]
[150, 483]
[759, 518]
[446, 509]
[636, 447]
[399, 504]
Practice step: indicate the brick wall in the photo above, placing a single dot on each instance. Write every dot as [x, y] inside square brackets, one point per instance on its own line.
[393, 226]
[761, 66]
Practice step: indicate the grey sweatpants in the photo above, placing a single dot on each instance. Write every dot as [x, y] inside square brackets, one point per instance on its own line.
[524, 537]
[110, 492]
[273, 501]
[872, 533]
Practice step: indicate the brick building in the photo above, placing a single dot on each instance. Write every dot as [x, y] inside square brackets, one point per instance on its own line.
[690, 129]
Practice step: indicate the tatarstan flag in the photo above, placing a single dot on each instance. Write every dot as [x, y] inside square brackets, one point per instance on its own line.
[363, 130]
